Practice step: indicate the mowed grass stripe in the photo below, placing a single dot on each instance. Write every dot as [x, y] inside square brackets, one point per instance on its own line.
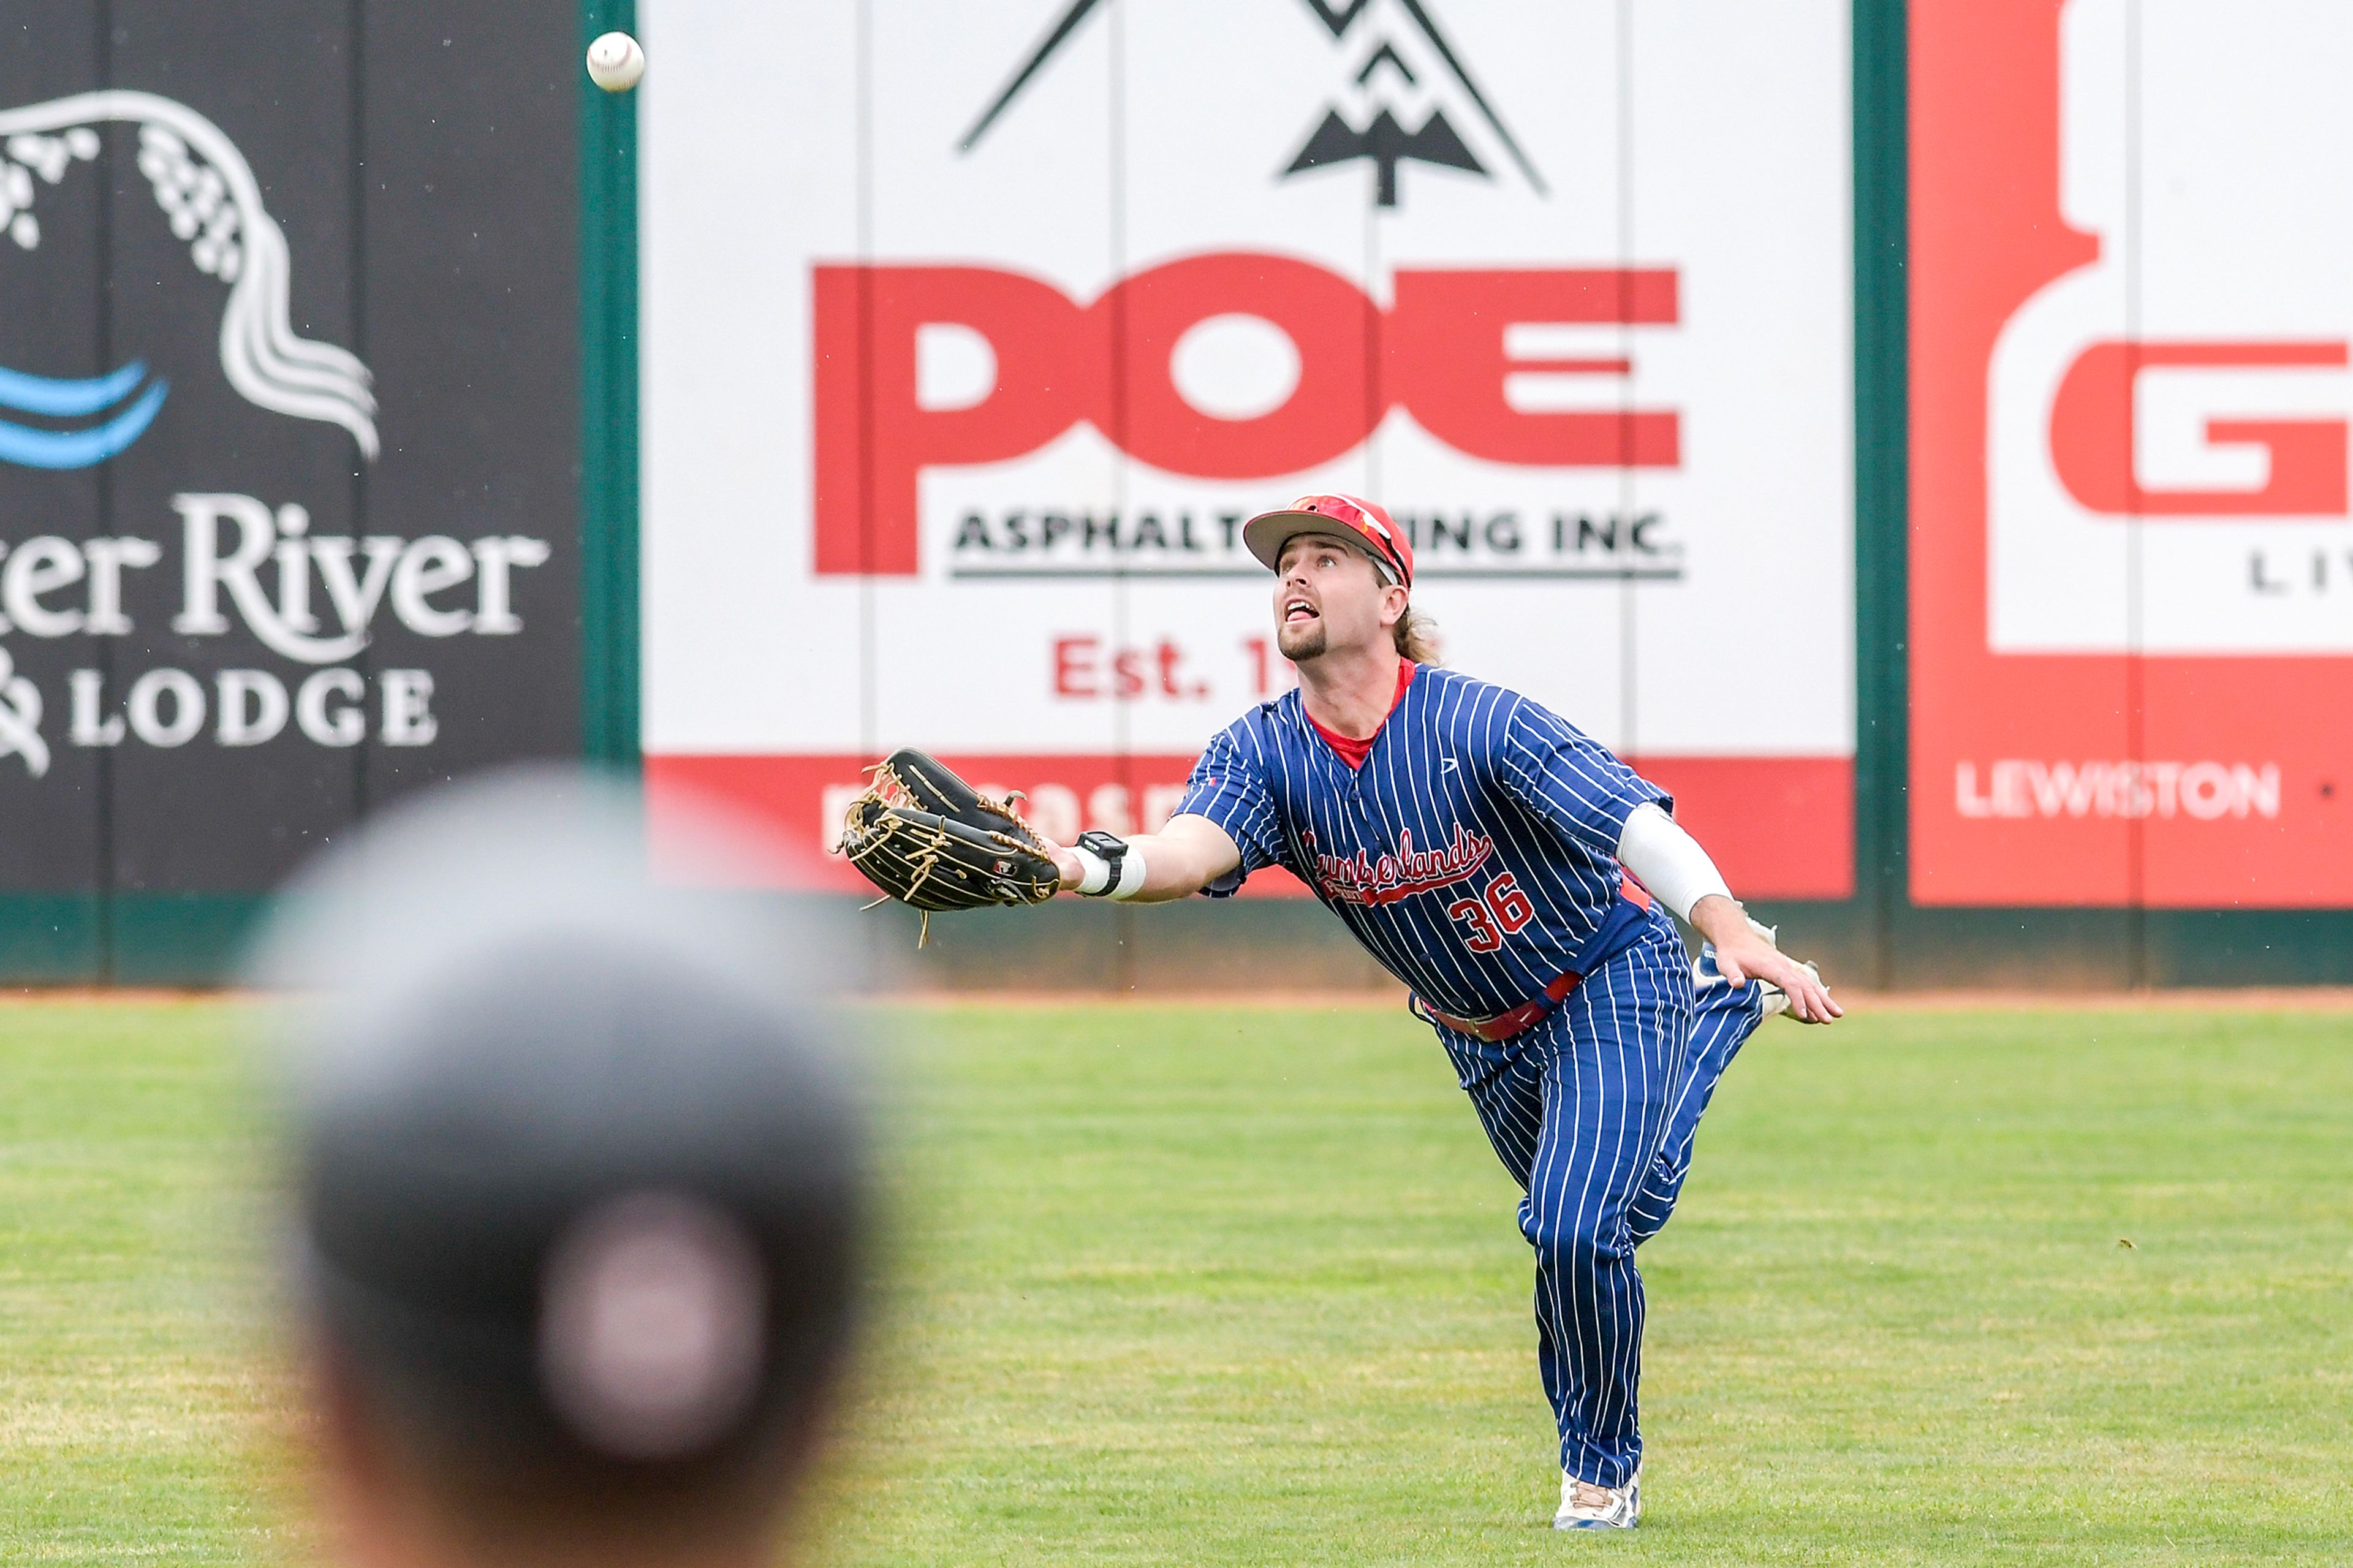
[1202, 1286]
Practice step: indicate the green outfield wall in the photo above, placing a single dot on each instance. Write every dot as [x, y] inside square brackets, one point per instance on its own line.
[870, 377]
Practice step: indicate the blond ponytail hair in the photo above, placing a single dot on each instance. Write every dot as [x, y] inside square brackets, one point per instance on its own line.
[1416, 636]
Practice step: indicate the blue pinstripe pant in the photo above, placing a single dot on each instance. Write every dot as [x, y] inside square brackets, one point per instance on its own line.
[1593, 1111]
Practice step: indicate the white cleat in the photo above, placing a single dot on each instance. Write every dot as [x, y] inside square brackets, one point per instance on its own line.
[1583, 1506]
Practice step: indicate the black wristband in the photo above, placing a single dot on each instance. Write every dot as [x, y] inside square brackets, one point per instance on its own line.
[1110, 850]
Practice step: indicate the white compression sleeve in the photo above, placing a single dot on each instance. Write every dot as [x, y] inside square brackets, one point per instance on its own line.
[1668, 860]
[1131, 876]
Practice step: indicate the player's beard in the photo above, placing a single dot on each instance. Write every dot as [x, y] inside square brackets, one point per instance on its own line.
[1300, 643]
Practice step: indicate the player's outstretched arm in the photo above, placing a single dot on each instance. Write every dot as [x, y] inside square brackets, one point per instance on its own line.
[1180, 860]
[1672, 864]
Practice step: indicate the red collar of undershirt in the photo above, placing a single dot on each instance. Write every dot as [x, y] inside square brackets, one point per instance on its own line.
[1354, 751]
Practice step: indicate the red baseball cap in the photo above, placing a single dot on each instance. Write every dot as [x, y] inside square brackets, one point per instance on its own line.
[1347, 517]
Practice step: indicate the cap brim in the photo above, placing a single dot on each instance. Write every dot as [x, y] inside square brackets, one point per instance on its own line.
[1266, 534]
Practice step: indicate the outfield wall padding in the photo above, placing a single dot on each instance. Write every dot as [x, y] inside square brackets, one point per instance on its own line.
[290, 447]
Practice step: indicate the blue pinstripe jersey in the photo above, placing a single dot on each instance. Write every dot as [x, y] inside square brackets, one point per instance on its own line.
[1473, 854]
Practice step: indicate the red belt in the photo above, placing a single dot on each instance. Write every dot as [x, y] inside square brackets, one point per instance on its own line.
[1504, 1026]
[1527, 1014]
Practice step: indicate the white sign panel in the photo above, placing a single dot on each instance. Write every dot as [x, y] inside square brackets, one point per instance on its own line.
[972, 333]
[2194, 373]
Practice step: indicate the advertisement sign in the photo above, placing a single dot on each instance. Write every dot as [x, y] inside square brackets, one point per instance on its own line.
[972, 335]
[289, 425]
[2132, 557]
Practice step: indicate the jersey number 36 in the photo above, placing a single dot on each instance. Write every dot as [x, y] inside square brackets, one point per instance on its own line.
[1504, 911]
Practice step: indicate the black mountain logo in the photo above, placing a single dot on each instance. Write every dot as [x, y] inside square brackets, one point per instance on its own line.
[1383, 141]
[1387, 144]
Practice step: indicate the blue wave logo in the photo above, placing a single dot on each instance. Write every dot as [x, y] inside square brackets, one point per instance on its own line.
[120, 418]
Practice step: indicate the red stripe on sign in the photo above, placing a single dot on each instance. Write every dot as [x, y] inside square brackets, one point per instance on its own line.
[1779, 827]
[802, 799]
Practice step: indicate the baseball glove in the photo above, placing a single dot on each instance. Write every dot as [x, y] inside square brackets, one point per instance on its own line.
[932, 841]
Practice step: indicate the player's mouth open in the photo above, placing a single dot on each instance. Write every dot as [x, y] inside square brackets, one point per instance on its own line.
[1298, 610]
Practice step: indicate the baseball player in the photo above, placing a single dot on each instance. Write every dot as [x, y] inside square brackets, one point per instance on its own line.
[578, 1196]
[1518, 877]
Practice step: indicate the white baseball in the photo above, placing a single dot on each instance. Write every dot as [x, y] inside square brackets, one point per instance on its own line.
[616, 62]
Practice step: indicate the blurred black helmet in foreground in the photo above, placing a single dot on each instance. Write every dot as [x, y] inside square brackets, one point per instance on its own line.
[577, 1173]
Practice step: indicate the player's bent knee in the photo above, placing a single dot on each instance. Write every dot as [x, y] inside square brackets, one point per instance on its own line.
[1572, 1235]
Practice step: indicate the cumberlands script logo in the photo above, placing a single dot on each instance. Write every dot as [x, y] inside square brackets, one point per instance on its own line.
[211, 199]
[1394, 65]
[1363, 880]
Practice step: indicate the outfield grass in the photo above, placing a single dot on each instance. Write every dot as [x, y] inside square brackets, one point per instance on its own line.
[141, 1414]
[1198, 1286]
